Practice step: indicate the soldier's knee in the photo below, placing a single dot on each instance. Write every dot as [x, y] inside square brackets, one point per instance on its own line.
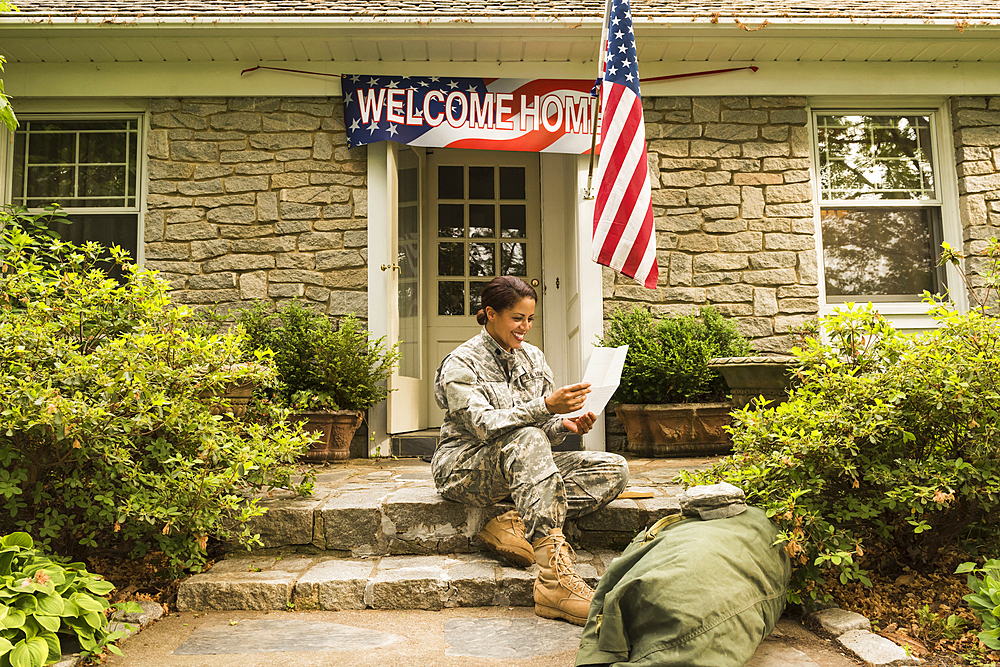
[620, 471]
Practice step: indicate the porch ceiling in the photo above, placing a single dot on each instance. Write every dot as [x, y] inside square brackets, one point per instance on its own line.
[521, 41]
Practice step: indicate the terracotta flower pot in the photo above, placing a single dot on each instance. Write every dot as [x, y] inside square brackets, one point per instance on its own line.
[676, 429]
[335, 430]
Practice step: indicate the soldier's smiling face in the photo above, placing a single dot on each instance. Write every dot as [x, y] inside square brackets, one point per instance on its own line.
[510, 326]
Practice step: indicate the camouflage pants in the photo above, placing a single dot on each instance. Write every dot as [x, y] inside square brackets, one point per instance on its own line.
[546, 486]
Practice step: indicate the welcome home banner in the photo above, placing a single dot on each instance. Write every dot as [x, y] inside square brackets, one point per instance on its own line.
[537, 115]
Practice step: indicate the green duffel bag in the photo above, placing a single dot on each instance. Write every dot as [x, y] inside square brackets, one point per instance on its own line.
[689, 592]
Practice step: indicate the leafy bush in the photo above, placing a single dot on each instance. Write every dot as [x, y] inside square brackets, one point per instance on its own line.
[107, 441]
[320, 367]
[985, 599]
[668, 359]
[42, 598]
[889, 445]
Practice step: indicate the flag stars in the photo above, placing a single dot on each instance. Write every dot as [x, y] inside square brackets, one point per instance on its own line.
[371, 128]
[355, 125]
[453, 84]
[355, 78]
[471, 89]
[348, 99]
[373, 81]
[392, 84]
[392, 130]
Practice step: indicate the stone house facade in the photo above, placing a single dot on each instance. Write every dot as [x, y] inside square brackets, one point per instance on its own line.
[244, 187]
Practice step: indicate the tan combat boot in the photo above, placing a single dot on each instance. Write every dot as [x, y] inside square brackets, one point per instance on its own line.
[559, 591]
[505, 535]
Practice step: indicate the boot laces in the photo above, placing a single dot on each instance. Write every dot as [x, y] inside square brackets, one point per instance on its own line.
[561, 561]
[517, 527]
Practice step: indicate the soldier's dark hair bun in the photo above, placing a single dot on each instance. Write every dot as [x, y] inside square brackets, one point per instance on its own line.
[501, 293]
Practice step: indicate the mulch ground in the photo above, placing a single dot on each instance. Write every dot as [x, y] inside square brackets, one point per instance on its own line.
[912, 609]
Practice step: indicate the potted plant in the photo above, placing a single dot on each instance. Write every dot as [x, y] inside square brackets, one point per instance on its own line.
[329, 375]
[669, 401]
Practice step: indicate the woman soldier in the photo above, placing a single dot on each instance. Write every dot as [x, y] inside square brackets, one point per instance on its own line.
[502, 418]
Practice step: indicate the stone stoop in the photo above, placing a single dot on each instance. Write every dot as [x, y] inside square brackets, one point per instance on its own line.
[394, 509]
[300, 581]
[376, 534]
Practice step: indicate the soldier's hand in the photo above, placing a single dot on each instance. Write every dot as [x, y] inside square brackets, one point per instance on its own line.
[568, 398]
[581, 424]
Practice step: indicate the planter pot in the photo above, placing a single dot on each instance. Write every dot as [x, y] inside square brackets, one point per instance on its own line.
[238, 396]
[676, 429]
[751, 377]
[335, 430]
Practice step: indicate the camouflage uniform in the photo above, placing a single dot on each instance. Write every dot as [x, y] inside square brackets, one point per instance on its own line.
[497, 437]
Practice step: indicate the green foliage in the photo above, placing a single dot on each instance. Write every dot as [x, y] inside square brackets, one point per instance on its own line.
[37, 225]
[7, 116]
[43, 598]
[320, 367]
[107, 438]
[936, 628]
[889, 444]
[668, 359]
[985, 599]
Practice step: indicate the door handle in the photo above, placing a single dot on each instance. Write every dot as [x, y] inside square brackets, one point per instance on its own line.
[394, 267]
[534, 282]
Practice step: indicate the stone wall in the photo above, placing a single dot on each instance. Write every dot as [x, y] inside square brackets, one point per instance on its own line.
[732, 202]
[257, 199]
[976, 122]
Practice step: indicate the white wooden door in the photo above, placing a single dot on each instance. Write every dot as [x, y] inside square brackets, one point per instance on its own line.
[483, 221]
[407, 407]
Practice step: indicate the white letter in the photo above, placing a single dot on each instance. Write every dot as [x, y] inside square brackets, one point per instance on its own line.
[503, 111]
[526, 111]
[394, 112]
[544, 111]
[453, 96]
[431, 120]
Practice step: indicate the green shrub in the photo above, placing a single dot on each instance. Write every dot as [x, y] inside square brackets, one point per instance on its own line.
[107, 441]
[668, 359]
[43, 598]
[985, 599]
[889, 445]
[320, 367]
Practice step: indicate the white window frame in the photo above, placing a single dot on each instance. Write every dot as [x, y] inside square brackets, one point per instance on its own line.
[33, 112]
[902, 314]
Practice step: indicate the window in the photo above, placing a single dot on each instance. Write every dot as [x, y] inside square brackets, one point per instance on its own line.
[880, 206]
[90, 166]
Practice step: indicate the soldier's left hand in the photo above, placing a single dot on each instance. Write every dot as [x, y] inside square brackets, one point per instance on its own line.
[581, 424]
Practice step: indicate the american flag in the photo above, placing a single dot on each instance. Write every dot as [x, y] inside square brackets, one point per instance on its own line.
[624, 238]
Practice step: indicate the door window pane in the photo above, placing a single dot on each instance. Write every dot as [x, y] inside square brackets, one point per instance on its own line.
[481, 183]
[482, 221]
[513, 260]
[451, 182]
[451, 220]
[451, 298]
[475, 289]
[512, 221]
[512, 183]
[887, 253]
[451, 259]
[481, 259]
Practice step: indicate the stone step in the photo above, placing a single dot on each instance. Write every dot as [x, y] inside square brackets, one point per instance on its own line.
[377, 508]
[302, 581]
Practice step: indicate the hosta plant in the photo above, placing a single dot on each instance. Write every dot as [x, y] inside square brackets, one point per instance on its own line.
[44, 601]
[985, 599]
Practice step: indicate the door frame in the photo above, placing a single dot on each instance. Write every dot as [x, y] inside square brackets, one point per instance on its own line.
[567, 232]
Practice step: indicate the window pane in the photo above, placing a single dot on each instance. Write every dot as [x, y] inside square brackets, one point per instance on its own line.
[881, 252]
[56, 148]
[451, 259]
[451, 298]
[482, 259]
[451, 220]
[103, 181]
[875, 157]
[451, 182]
[475, 289]
[50, 182]
[513, 259]
[482, 221]
[512, 221]
[120, 229]
[512, 183]
[102, 147]
[481, 183]
[18, 171]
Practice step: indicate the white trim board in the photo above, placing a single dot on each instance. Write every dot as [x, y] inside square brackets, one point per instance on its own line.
[217, 79]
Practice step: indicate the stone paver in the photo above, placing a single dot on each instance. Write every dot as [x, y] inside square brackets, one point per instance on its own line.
[876, 650]
[274, 635]
[837, 621]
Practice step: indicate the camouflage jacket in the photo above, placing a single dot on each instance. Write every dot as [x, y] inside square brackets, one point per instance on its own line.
[487, 392]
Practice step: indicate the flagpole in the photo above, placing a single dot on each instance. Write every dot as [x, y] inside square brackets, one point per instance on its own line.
[596, 106]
